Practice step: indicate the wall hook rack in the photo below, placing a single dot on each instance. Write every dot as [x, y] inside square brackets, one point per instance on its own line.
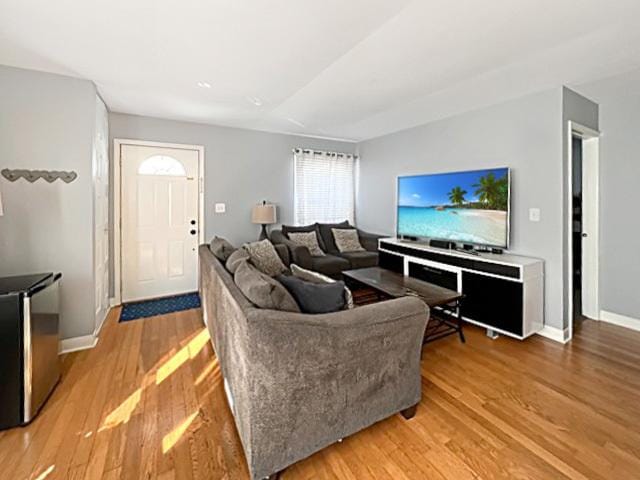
[34, 175]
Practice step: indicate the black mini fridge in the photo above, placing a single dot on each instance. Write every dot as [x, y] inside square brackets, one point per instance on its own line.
[29, 364]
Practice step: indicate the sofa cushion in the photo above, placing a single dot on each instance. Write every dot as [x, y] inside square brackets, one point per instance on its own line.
[287, 229]
[327, 235]
[317, 277]
[347, 240]
[361, 259]
[315, 297]
[262, 290]
[221, 248]
[235, 259]
[331, 265]
[309, 240]
[265, 258]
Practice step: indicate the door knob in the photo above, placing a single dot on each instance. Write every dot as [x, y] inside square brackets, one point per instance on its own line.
[584, 235]
[193, 222]
[192, 232]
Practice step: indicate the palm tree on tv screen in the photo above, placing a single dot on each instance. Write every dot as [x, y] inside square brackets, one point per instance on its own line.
[493, 192]
[456, 195]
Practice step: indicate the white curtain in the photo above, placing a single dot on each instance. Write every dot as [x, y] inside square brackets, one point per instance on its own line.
[324, 188]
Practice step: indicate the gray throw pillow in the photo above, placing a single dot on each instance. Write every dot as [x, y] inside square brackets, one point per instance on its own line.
[265, 258]
[347, 240]
[309, 240]
[221, 248]
[262, 290]
[317, 277]
[315, 297]
[236, 258]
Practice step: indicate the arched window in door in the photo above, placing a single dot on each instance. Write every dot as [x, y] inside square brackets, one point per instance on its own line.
[162, 165]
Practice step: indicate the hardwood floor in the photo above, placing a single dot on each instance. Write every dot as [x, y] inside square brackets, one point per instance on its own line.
[148, 402]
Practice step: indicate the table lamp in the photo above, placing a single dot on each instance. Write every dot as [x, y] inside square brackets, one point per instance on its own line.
[264, 214]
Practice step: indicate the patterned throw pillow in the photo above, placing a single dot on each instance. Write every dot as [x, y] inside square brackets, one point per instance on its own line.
[265, 258]
[347, 240]
[316, 277]
[309, 240]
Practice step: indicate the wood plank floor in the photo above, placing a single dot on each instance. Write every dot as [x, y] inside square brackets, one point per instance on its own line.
[148, 402]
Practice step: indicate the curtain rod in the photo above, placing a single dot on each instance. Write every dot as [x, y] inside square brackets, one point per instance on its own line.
[322, 152]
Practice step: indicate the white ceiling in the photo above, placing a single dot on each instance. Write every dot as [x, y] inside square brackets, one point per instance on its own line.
[352, 69]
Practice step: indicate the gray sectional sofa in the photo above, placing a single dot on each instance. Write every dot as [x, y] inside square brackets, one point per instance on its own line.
[334, 262]
[297, 383]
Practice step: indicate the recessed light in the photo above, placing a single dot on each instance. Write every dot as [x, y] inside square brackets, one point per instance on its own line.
[255, 100]
[204, 84]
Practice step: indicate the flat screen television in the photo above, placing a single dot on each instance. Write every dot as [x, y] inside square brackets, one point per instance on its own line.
[469, 207]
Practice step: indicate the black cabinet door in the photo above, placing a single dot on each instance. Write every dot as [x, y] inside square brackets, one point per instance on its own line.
[493, 301]
[437, 276]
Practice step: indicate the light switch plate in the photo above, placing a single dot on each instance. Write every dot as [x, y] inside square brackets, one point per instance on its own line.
[534, 214]
[220, 208]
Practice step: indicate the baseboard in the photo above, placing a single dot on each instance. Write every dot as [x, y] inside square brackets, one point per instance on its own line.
[556, 334]
[620, 320]
[96, 332]
[77, 343]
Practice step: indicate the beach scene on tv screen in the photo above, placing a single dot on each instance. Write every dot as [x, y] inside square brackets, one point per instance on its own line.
[463, 206]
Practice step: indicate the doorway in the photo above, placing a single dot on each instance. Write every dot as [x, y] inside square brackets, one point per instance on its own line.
[584, 225]
[159, 202]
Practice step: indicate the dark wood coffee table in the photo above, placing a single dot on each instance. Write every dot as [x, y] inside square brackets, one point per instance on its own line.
[443, 303]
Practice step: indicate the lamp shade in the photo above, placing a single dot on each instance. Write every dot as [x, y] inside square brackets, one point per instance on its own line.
[264, 214]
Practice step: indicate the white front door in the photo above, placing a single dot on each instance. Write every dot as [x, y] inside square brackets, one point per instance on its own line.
[159, 221]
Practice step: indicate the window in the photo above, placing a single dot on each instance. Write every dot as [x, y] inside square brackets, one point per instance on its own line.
[162, 165]
[324, 189]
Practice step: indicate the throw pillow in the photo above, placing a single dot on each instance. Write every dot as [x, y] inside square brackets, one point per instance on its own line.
[315, 297]
[327, 236]
[288, 230]
[235, 259]
[221, 248]
[317, 277]
[262, 290]
[265, 258]
[309, 240]
[347, 240]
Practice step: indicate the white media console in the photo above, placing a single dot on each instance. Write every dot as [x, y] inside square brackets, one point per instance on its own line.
[503, 293]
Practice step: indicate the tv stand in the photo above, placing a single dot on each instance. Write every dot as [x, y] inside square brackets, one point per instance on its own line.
[504, 293]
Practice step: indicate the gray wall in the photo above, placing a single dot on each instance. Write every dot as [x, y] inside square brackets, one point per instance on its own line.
[619, 198]
[581, 110]
[243, 167]
[46, 122]
[524, 134]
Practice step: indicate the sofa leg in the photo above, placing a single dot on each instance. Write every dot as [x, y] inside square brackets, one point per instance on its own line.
[275, 476]
[409, 412]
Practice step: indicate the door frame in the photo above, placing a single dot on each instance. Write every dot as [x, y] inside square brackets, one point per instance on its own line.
[118, 143]
[591, 151]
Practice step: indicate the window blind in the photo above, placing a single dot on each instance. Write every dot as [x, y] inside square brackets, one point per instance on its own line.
[324, 189]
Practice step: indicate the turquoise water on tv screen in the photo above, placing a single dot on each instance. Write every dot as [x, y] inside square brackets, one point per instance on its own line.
[453, 224]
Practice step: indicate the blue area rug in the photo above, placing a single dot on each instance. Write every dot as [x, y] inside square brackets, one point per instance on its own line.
[160, 306]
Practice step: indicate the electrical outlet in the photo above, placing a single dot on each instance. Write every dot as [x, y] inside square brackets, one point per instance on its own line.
[534, 214]
[220, 208]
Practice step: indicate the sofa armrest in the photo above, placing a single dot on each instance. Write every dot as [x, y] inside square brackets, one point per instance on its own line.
[318, 378]
[369, 240]
[298, 254]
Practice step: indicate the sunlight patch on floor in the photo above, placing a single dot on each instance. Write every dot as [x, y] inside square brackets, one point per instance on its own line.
[213, 366]
[46, 473]
[123, 412]
[171, 438]
[190, 350]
